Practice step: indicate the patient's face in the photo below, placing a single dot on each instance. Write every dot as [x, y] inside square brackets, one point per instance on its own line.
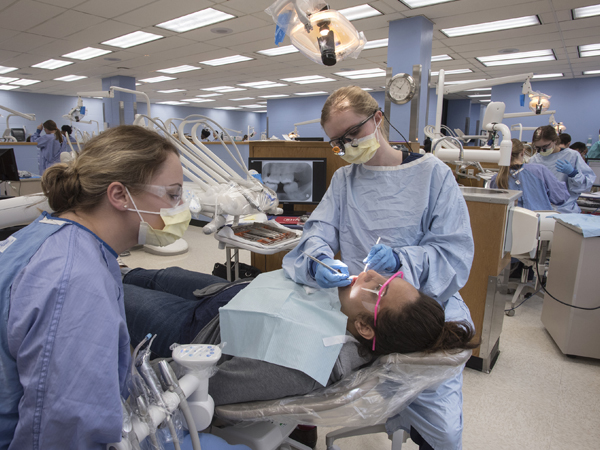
[355, 300]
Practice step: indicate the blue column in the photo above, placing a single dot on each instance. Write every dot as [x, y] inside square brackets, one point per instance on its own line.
[111, 105]
[409, 44]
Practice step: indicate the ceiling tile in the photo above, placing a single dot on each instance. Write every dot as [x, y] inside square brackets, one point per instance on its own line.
[63, 3]
[161, 11]
[24, 42]
[69, 22]
[25, 14]
[111, 8]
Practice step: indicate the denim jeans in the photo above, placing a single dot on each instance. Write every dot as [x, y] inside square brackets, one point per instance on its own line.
[162, 302]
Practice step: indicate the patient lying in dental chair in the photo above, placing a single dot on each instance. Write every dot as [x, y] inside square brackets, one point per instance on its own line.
[285, 339]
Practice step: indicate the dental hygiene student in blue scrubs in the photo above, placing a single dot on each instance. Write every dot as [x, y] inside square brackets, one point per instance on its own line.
[567, 166]
[540, 187]
[64, 344]
[414, 205]
[50, 144]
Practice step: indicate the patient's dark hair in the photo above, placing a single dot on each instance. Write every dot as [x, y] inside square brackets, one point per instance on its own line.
[419, 326]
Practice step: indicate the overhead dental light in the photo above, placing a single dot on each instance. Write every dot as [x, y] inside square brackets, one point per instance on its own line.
[538, 102]
[77, 113]
[294, 134]
[323, 35]
[558, 126]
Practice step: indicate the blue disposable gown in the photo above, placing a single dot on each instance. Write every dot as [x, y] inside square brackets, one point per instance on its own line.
[582, 182]
[66, 330]
[594, 151]
[50, 149]
[541, 189]
[417, 209]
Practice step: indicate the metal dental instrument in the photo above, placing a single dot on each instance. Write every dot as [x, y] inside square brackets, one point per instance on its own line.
[322, 263]
[367, 264]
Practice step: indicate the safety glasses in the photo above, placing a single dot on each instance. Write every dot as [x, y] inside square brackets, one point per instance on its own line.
[544, 147]
[171, 194]
[339, 144]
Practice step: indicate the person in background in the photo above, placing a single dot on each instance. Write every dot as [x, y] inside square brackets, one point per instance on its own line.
[540, 187]
[68, 130]
[50, 144]
[581, 148]
[567, 166]
[205, 134]
[594, 151]
[564, 140]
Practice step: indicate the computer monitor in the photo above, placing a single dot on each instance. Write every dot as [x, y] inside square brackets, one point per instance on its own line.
[18, 134]
[295, 180]
[594, 164]
[8, 165]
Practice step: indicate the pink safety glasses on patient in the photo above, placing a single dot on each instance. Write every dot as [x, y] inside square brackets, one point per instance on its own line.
[379, 294]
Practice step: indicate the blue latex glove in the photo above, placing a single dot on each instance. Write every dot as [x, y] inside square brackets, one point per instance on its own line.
[564, 167]
[382, 258]
[325, 278]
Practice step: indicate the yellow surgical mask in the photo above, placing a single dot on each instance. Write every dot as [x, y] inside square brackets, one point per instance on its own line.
[364, 150]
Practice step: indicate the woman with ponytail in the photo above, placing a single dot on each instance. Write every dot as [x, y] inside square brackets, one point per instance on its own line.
[50, 144]
[541, 189]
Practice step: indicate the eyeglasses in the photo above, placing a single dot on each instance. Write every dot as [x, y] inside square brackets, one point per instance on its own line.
[379, 295]
[339, 144]
[171, 194]
[544, 147]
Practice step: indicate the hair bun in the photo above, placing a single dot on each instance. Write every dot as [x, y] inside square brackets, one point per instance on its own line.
[61, 184]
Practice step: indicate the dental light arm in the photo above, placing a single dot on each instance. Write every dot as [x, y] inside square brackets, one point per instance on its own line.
[7, 136]
[111, 94]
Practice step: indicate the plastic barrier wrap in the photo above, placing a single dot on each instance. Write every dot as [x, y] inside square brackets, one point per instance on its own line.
[367, 397]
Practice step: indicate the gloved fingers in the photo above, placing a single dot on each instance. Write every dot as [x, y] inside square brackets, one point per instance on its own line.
[327, 279]
[379, 256]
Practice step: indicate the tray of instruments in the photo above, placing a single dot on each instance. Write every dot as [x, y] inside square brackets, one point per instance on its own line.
[265, 238]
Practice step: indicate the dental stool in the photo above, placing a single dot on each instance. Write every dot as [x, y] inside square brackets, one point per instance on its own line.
[360, 403]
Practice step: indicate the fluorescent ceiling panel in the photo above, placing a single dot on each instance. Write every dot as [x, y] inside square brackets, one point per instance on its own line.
[586, 11]
[262, 103]
[25, 82]
[70, 78]
[485, 101]
[589, 50]
[87, 53]
[548, 75]
[358, 74]
[487, 27]
[277, 51]
[157, 79]
[262, 84]
[171, 102]
[195, 20]
[7, 79]
[517, 58]
[171, 91]
[252, 106]
[197, 100]
[241, 99]
[226, 60]
[179, 69]
[420, 3]
[366, 89]
[52, 64]
[591, 72]
[261, 111]
[463, 81]
[480, 95]
[4, 69]
[359, 12]
[311, 93]
[227, 108]
[451, 72]
[209, 95]
[274, 96]
[438, 58]
[478, 89]
[7, 87]
[308, 79]
[378, 43]
[132, 39]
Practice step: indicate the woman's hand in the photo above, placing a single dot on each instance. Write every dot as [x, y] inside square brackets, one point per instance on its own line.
[382, 258]
[40, 126]
[325, 278]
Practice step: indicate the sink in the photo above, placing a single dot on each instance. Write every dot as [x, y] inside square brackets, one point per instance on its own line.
[482, 191]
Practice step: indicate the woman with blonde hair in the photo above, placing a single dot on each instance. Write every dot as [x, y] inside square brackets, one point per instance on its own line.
[64, 345]
[50, 144]
[391, 210]
[540, 187]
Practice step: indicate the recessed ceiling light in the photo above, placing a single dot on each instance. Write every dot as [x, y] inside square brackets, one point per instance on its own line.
[311, 93]
[132, 39]
[138, 84]
[548, 75]
[226, 60]
[157, 79]
[223, 89]
[517, 58]
[359, 12]
[252, 106]
[588, 50]
[261, 111]
[376, 44]
[273, 96]
[479, 95]
[420, 3]
[365, 73]
[485, 101]
[228, 108]
[279, 50]
[487, 27]
[7, 79]
[70, 78]
[178, 69]
[171, 91]
[52, 64]
[195, 20]
[479, 89]
[586, 11]
[262, 84]
[6, 87]
[87, 53]
[4, 69]
[438, 58]
[366, 89]
[451, 72]
[241, 98]
[171, 102]
[197, 100]
[308, 79]
[25, 82]
[463, 81]
[591, 72]
[262, 103]
[209, 95]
